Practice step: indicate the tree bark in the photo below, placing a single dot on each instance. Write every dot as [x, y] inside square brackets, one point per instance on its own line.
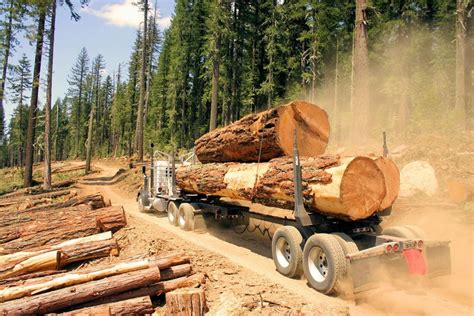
[30, 136]
[78, 224]
[95, 201]
[47, 107]
[350, 188]
[360, 77]
[60, 299]
[134, 306]
[186, 302]
[141, 100]
[89, 140]
[266, 135]
[215, 73]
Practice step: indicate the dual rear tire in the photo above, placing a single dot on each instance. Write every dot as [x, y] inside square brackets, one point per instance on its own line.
[322, 260]
[182, 216]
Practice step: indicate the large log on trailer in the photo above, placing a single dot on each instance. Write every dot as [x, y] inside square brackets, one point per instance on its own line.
[73, 295]
[267, 135]
[349, 188]
[53, 230]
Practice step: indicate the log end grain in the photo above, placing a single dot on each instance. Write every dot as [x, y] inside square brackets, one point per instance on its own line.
[362, 188]
[312, 128]
[186, 301]
[392, 181]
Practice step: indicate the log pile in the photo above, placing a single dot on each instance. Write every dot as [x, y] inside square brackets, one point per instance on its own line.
[122, 288]
[38, 243]
[251, 160]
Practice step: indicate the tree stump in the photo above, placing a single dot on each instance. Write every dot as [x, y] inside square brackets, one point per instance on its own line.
[186, 301]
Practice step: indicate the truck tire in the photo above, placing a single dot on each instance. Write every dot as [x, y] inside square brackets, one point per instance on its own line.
[141, 207]
[186, 216]
[346, 242]
[286, 251]
[173, 213]
[324, 262]
[399, 231]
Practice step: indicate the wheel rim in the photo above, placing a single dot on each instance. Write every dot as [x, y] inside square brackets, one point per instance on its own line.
[318, 264]
[182, 220]
[171, 215]
[283, 252]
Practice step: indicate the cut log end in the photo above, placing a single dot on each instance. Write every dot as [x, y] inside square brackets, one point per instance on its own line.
[312, 128]
[186, 301]
[392, 181]
[362, 188]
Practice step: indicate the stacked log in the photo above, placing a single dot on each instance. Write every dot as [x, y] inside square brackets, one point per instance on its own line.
[123, 288]
[59, 227]
[267, 135]
[349, 188]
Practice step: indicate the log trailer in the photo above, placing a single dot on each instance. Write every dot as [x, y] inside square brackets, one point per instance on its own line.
[331, 253]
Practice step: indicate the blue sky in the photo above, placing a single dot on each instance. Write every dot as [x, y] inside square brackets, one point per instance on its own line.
[106, 27]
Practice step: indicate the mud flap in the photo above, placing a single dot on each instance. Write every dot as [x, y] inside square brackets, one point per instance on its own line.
[415, 261]
[438, 257]
[365, 273]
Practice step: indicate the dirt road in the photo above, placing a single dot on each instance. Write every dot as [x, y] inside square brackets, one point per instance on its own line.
[252, 269]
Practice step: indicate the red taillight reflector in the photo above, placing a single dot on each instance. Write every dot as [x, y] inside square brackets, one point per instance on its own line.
[420, 243]
[396, 247]
[388, 248]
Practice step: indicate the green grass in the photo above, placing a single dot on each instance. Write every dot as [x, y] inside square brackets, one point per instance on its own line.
[10, 179]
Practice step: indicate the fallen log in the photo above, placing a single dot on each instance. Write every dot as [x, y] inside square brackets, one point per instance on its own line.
[134, 306]
[21, 199]
[94, 200]
[38, 189]
[60, 299]
[349, 188]
[163, 262]
[57, 259]
[54, 230]
[267, 135]
[178, 277]
[186, 301]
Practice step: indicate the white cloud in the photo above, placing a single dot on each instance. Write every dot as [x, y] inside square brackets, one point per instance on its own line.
[123, 14]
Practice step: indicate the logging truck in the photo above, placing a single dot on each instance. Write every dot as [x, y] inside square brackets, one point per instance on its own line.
[333, 253]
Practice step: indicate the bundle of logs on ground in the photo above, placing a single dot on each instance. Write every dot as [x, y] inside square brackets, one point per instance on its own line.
[250, 160]
[38, 244]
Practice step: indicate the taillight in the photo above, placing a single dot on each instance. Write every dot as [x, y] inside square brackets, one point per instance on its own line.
[420, 243]
[388, 248]
[160, 189]
[396, 247]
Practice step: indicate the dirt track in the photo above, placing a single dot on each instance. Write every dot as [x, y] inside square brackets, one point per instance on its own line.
[240, 267]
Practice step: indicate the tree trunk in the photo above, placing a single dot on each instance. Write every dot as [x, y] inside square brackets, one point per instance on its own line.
[47, 107]
[460, 105]
[95, 201]
[7, 48]
[30, 137]
[215, 74]
[360, 77]
[50, 231]
[186, 302]
[470, 71]
[73, 295]
[134, 306]
[266, 135]
[349, 188]
[141, 100]
[90, 136]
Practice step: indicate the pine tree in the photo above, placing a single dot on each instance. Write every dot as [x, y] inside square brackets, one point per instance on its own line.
[76, 92]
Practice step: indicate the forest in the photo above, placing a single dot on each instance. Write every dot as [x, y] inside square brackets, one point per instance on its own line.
[400, 66]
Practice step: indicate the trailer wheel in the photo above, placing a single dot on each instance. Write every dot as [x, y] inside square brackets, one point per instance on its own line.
[141, 207]
[346, 242]
[399, 231]
[286, 251]
[186, 216]
[324, 262]
[173, 213]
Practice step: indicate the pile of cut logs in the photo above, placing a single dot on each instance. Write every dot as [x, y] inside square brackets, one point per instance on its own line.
[39, 244]
[250, 160]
